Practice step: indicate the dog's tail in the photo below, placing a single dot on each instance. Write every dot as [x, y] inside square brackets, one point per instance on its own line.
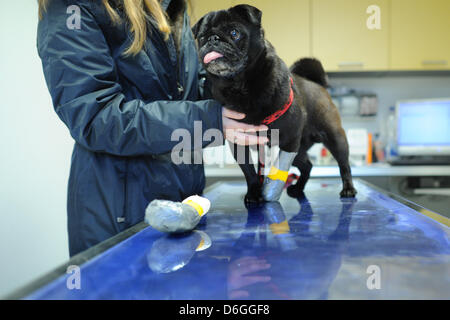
[311, 69]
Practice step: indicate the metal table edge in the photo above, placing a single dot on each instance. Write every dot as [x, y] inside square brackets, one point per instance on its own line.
[77, 260]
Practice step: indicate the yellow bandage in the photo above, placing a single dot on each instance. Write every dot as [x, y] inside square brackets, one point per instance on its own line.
[280, 228]
[276, 174]
[196, 206]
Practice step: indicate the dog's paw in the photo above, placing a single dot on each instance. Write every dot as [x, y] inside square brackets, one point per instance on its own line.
[254, 196]
[348, 192]
[252, 199]
[295, 192]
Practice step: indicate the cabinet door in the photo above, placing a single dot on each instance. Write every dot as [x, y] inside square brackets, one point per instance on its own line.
[198, 8]
[287, 26]
[342, 39]
[420, 34]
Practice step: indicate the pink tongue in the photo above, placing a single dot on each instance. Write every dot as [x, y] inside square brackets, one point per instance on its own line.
[213, 55]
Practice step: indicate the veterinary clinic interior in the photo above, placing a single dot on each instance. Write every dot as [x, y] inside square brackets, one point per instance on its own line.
[96, 95]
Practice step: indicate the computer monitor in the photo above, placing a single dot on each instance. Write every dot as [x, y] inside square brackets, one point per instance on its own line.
[423, 127]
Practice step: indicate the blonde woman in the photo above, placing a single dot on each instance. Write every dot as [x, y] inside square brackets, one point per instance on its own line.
[123, 75]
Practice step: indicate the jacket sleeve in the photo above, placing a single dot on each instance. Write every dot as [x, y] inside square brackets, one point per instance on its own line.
[83, 82]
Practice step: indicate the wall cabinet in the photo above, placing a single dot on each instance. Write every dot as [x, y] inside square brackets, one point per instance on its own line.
[341, 38]
[287, 26]
[198, 8]
[420, 38]
[412, 34]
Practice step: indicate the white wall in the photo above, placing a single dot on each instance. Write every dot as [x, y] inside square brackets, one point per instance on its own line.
[35, 151]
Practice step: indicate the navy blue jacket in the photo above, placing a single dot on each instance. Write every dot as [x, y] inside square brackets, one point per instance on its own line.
[121, 112]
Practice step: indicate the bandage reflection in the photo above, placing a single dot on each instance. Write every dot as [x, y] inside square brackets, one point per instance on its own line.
[245, 271]
[292, 260]
[172, 252]
[279, 226]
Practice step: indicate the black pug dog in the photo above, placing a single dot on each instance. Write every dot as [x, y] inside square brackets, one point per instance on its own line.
[247, 76]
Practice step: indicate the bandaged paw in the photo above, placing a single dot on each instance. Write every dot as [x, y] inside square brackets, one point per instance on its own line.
[272, 189]
[176, 217]
[276, 179]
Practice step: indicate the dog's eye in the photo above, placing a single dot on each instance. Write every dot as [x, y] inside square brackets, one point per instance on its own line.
[235, 34]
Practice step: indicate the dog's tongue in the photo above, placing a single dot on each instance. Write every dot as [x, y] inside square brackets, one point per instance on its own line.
[213, 55]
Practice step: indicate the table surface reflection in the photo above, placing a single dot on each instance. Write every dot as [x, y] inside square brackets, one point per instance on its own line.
[320, 247]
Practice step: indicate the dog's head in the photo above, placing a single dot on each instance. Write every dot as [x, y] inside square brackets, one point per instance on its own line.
[229, 40]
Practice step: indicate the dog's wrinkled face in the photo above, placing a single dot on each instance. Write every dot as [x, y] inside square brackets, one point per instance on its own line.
[229, 40]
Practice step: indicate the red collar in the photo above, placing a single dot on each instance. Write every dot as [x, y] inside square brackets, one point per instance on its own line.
[274, 116]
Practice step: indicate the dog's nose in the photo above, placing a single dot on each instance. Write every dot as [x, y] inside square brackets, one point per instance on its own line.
[214, 38]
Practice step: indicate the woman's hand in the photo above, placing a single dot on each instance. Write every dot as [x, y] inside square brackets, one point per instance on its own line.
[239, 132]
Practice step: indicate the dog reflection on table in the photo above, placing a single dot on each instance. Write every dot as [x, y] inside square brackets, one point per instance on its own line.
[296, 262]
[247, 76]
[274, 258]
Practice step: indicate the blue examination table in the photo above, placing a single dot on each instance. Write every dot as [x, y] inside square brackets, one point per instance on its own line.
[377, 246]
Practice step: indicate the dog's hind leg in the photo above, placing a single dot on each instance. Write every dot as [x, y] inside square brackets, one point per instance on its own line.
[303, 163]
[336, 143]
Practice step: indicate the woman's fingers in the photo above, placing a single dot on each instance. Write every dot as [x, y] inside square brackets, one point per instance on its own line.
[232, 114]
[244, 139]
[248, 127]
[239, 132]
[230, 124]
[233, 124]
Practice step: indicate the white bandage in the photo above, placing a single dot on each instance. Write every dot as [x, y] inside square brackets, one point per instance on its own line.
[176, 217]
[275, 181]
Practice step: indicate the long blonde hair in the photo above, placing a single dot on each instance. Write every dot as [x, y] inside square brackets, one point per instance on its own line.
[137, 13]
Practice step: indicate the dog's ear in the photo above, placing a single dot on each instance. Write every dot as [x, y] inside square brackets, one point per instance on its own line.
[197, 26]
[249, 13]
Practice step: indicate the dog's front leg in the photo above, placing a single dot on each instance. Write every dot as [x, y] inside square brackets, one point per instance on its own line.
[242, 156]
[275, 181]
